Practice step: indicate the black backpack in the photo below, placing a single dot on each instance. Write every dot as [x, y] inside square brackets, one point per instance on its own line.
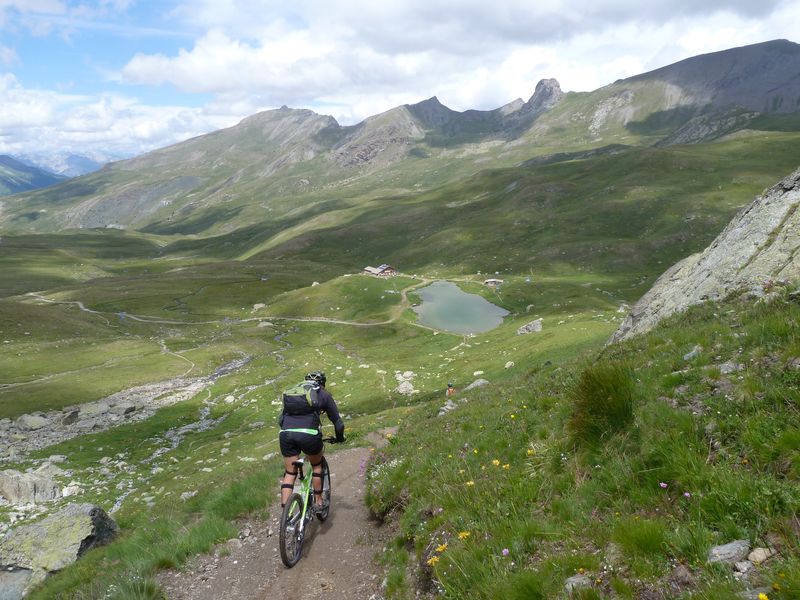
[301, 399]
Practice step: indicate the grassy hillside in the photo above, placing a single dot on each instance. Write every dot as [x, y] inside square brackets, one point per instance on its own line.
[627, 465]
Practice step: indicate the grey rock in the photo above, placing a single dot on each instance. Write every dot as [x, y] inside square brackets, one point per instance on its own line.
[27, 488]
[730, 367]
[757, 246]
[14, 583]
[577, 582]
[532, 327]
[730, 553]
[694, 353]
[449, 405]
[476, 384]
[57, 541]
[509, 364]
[759, 555]
[31, 422]
[93, 409]
[70, 417]
[406, 388]
[57, 459]
[743, 566]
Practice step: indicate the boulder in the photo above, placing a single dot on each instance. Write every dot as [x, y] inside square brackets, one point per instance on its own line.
[406, 388]
[577, 582]
[32, 551]
[532, 327]
[476, 384]
[32, 422]
[70, 417]
[94, 409]
[759, 555]
[27, 488]
[730, 553]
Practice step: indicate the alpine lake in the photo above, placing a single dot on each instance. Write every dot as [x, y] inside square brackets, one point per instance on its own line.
[447, 307]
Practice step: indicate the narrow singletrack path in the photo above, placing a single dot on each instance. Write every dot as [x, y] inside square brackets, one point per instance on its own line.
[338, 560]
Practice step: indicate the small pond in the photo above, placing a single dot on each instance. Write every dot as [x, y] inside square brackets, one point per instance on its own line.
[447, 307]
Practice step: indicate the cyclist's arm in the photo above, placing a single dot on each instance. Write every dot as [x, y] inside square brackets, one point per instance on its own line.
[333, 414]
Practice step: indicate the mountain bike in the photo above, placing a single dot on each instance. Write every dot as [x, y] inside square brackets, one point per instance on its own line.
[300, 510]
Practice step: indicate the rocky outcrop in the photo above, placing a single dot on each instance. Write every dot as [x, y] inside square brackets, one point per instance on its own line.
[546, 95]
[29, 553]
[759, 247]
[27, 488]
[36, 431]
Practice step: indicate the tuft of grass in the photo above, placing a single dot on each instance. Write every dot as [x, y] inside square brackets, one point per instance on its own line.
[602, 402]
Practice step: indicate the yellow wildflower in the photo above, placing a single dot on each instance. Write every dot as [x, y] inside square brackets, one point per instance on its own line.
[475, 451]
[461, 471]
[506, 466]
[470, 483]
[513, 416]
[462, 535]
[776, 586]
[530, 452]
[441, 547]
[581, 570]
[763, 596]
[496, 462]
[433, 560]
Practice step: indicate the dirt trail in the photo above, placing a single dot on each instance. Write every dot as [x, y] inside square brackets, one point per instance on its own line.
[338, 555]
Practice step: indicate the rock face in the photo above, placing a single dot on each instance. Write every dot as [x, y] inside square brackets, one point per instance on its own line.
[27, 488]
[29, 553]
[757, 248]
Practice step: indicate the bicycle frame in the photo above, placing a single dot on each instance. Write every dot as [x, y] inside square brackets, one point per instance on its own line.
[304, 489]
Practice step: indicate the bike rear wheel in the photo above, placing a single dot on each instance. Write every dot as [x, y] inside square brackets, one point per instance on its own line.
[322, 513]
[290, 537]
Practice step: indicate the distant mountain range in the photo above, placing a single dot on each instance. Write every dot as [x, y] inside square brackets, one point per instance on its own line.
[68, 164]
[16, 176]
[284, 165]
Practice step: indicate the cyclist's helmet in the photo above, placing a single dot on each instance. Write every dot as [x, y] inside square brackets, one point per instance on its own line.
[317, 376]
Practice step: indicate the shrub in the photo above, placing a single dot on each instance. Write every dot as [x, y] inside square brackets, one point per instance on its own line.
[602, 402]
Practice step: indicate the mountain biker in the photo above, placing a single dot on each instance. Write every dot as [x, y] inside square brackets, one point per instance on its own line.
[300, 432]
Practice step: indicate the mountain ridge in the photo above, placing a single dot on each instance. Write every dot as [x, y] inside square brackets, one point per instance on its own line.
[283, 159]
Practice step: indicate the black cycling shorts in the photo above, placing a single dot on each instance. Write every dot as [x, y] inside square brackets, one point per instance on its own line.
[294, 442]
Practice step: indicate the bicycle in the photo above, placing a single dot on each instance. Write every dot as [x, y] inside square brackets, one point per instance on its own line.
[298, 512]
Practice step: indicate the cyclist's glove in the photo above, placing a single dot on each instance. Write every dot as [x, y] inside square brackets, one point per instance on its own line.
[339, 428]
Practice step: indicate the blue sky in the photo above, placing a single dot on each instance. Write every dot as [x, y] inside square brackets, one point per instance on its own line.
[111, 77]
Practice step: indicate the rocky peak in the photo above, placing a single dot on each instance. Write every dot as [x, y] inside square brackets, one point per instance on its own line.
[756, 250]
[431, 113]
[546, 95]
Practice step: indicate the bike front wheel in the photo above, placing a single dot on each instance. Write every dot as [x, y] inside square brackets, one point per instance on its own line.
[323, 513]
[291, 533]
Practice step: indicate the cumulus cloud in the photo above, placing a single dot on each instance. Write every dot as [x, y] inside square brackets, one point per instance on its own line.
[38, 120]
[356, 58]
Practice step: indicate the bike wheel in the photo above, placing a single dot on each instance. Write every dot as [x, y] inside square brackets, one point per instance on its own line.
[290, 539]
[326, 491]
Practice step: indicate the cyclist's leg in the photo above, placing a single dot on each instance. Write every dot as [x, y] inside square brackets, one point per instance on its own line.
[289, 476]
[315, 460]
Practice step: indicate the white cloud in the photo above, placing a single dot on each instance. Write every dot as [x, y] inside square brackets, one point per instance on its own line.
[37, 120]
[356, 58]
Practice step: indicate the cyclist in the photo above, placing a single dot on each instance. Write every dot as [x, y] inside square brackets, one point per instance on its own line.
[300, 432]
